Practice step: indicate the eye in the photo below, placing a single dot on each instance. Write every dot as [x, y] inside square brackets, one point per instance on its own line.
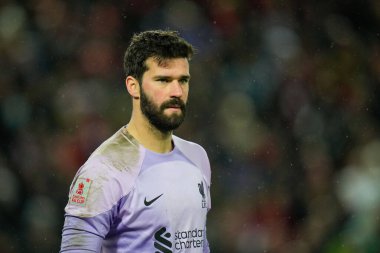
[184, 80]
[163, 80]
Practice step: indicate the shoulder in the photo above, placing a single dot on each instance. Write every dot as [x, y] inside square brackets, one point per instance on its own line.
[188, 146]
[107, 176]
[195, 153]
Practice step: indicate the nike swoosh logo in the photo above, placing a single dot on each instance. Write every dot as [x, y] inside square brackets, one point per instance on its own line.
[148, 203]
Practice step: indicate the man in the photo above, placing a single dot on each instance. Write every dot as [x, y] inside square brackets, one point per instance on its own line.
[144, 189]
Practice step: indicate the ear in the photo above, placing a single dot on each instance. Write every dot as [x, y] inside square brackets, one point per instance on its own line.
[133, 87]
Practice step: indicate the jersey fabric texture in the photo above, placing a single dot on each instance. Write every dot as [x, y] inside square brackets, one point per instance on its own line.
[126, 198]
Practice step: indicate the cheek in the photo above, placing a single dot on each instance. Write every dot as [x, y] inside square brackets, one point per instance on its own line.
[158, 97]
[185, 94]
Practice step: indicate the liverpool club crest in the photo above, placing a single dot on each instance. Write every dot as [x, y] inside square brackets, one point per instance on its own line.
[202, 192]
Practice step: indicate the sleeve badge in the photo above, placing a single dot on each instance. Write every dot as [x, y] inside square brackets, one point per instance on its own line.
[80, 191]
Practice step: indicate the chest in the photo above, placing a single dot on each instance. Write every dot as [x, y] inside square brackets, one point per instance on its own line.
[172, 191]
[166, 209]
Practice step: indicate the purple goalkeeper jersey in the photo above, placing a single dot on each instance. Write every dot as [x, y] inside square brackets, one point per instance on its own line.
[126, 198]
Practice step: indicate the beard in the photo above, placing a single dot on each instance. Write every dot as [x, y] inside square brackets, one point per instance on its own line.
[157, 118]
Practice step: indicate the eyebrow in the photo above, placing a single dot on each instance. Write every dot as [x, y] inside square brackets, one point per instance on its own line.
[170, 77]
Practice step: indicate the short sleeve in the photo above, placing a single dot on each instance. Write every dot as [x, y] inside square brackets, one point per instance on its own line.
[96, 188]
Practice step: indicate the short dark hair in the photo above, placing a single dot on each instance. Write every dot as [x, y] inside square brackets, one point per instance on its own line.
[156, 43]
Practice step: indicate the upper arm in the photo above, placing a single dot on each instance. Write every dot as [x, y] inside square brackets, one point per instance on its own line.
[94, 196]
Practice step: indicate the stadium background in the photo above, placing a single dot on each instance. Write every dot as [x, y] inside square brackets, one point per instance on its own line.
[285, 97]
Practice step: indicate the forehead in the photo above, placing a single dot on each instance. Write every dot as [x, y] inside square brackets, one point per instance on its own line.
[172, 65]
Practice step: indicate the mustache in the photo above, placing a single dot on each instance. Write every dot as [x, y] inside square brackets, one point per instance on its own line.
[174, 102]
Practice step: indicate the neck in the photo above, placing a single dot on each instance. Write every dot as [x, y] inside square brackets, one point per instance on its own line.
[149, 136]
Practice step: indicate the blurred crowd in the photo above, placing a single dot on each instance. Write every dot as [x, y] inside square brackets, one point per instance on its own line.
[284, 96]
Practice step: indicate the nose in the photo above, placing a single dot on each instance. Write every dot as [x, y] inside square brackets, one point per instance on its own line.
[176, 89]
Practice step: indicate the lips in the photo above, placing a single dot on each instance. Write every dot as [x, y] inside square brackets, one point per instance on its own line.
[175, 104]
